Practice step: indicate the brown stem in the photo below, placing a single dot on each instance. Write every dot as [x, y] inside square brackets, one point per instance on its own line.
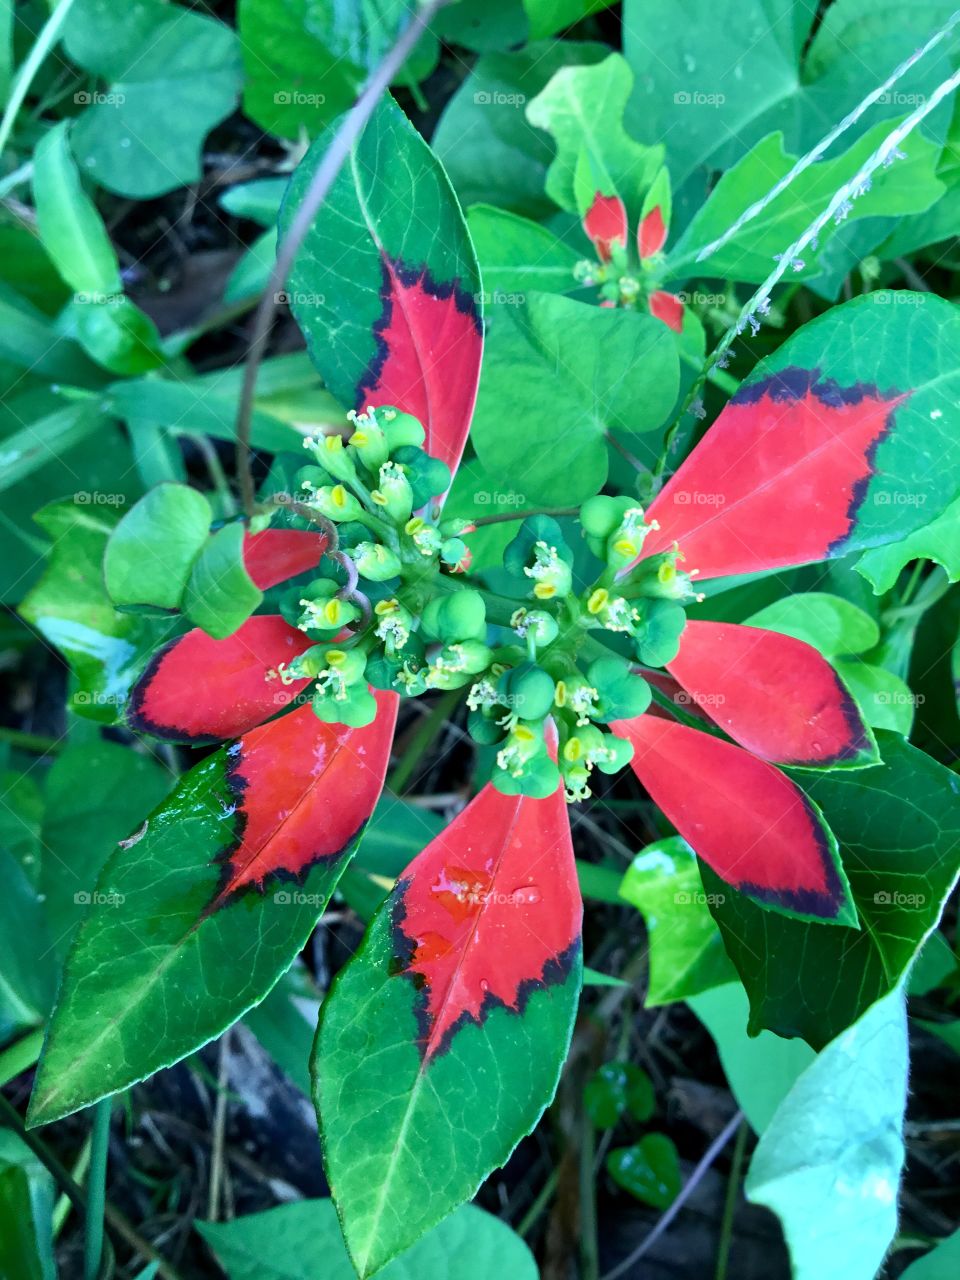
[333, 160]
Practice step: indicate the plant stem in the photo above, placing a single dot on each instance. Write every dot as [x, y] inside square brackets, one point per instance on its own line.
[32, 741]
[333, 160]
[707, 1159]
[96, 1189]
[11, 1118]
[730, 1202]
[543, 1198]
[24, 78]
[422, 739]
[20, 1055]
[522, 515]
[589, 1256]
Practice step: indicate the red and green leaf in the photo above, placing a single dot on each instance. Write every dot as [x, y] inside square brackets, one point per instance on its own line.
[389, 303]
[605, 224]
[200, 690]
[744, 818]
[843, 440]
[775, 695]
[274, 555]
[201, 910]
[462, 996]
[668, 308]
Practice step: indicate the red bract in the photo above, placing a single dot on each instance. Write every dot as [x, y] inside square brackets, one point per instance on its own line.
[605, 223]
[777, 481]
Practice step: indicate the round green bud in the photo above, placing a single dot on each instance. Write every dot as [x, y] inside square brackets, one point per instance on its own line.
[541, 625]
[621, 753]
[311, 477]
[527, 691]
[453, 551]
[428, 476]
[599, 516]
[359, 709]
[621, 694]
[539, 779]
[400, 428]
[375, 561]
[483, 727]
[333, 457]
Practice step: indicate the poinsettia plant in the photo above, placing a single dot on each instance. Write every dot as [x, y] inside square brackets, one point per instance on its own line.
[443, 1038]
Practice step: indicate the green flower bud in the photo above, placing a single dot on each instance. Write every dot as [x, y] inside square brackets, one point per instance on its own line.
[400, 428]
[523, 742]
[551, 574]
[625, 543]
[599, 516]
[621, 694]
[457, 664]
[453, 551]
[339, 671]
[311, 478]
[327, 614]
[541, 625]
[394, 624]
[659, 577]
[578, 696]
[336, 503]
[369, 441]
[359, 708]
[538, 778]
[383, 670]
[619, 754]
[375, 561]
[456, 527]
[484, 727]
[527, 690]
[459, 616]
[657, 635]
[332, 456]
[428, 476]
[393, 493]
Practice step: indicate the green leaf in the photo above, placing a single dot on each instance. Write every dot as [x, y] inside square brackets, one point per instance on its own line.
[97, 794]
[70, 608]
[597, 371]
[490, 152]
[547, 17]
[582, 107]
[172, 75]
[71, 229]
[898, 827]
[27, 450]
[220, 595]
[483, 25]
[163, 963]
[940, 1263]
[26, 1213]
[885, 701]
[760, 1069]
[306, 60]
[28, 978]
[833, 1152]
[649, 1170]
[116, 333]
[615, 1090]
[517, 256]
[911, 186]
[302, 1241]
[150, 555]
[258, 200]
[935, 963]
[939, 541]
[686, 952]
[250, 276]
[831, 624]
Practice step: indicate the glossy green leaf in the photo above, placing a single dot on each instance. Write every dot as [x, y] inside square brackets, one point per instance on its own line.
[70, 608]
[28, 975]
[830, 623]
[97, 794]
[649, 1170]
[116, 333]
[909, 187]
[686, 952]
[306, 60]
[898, 827]
[935, 963]
[517, 256]
[250, 276]
[760, 1069]
[72, 231]
[488, 148]
[582, 107]
[302, 1241]
[150, 555]
[833, 1152]
[940, 1263]
[483, 25]
[26, 1213]
[171, 75]
[939, 541]
[258, 200]
[615, 1090]
[220, 594]
[170, 952]
[885, 701]
[597, 371]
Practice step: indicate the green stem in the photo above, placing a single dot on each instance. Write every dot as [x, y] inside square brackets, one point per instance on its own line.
[20, 1055]
[11, 1118]
[35, 742]
[589, 1252]
[730, 1202]
[423, 739]
[522, 515]
[24, 78]
[96, 1189]
[543, 1198]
